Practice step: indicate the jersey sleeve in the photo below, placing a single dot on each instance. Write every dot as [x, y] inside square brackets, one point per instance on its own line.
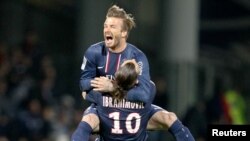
[92, 96]
[88, 69]
[143, 91]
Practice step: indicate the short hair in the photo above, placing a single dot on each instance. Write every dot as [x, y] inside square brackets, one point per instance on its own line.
[125, 79]
[117, 12]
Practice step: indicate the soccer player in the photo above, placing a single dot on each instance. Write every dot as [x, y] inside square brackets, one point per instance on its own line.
[121, 119]
[103, 59]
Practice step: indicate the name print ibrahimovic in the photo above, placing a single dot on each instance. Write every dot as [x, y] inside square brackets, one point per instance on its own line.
[114, 103]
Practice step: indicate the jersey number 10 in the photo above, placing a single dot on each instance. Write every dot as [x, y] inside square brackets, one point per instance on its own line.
[128, 124]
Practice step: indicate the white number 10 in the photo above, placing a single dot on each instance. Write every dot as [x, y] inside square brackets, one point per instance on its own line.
[128, 124]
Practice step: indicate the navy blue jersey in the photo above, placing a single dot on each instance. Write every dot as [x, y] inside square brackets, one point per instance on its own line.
[121, 120]
[99, 61]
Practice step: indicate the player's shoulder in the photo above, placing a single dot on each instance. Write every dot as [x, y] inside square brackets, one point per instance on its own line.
[96, 48]
[135, 51]
[133, 48]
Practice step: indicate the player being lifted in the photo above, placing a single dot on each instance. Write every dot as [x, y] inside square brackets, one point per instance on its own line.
[104, 59]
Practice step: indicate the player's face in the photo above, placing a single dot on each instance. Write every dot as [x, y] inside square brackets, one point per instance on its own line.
[114, 35]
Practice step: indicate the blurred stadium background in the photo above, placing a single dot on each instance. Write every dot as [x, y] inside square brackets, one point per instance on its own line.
[198, 50]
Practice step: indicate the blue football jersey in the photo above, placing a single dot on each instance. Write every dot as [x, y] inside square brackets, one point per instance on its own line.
[121, 120]
[99, 61]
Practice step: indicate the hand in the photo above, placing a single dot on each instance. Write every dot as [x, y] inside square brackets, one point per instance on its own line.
[102, 84]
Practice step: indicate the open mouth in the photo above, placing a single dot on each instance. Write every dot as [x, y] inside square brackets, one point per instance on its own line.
[108, 39]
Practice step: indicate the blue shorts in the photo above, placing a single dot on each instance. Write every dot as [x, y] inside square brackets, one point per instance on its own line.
[92, 110]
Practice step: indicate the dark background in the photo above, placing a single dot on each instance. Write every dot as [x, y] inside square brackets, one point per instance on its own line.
[47, 68]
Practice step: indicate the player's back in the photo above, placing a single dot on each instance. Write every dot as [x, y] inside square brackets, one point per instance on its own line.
[122, 120]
